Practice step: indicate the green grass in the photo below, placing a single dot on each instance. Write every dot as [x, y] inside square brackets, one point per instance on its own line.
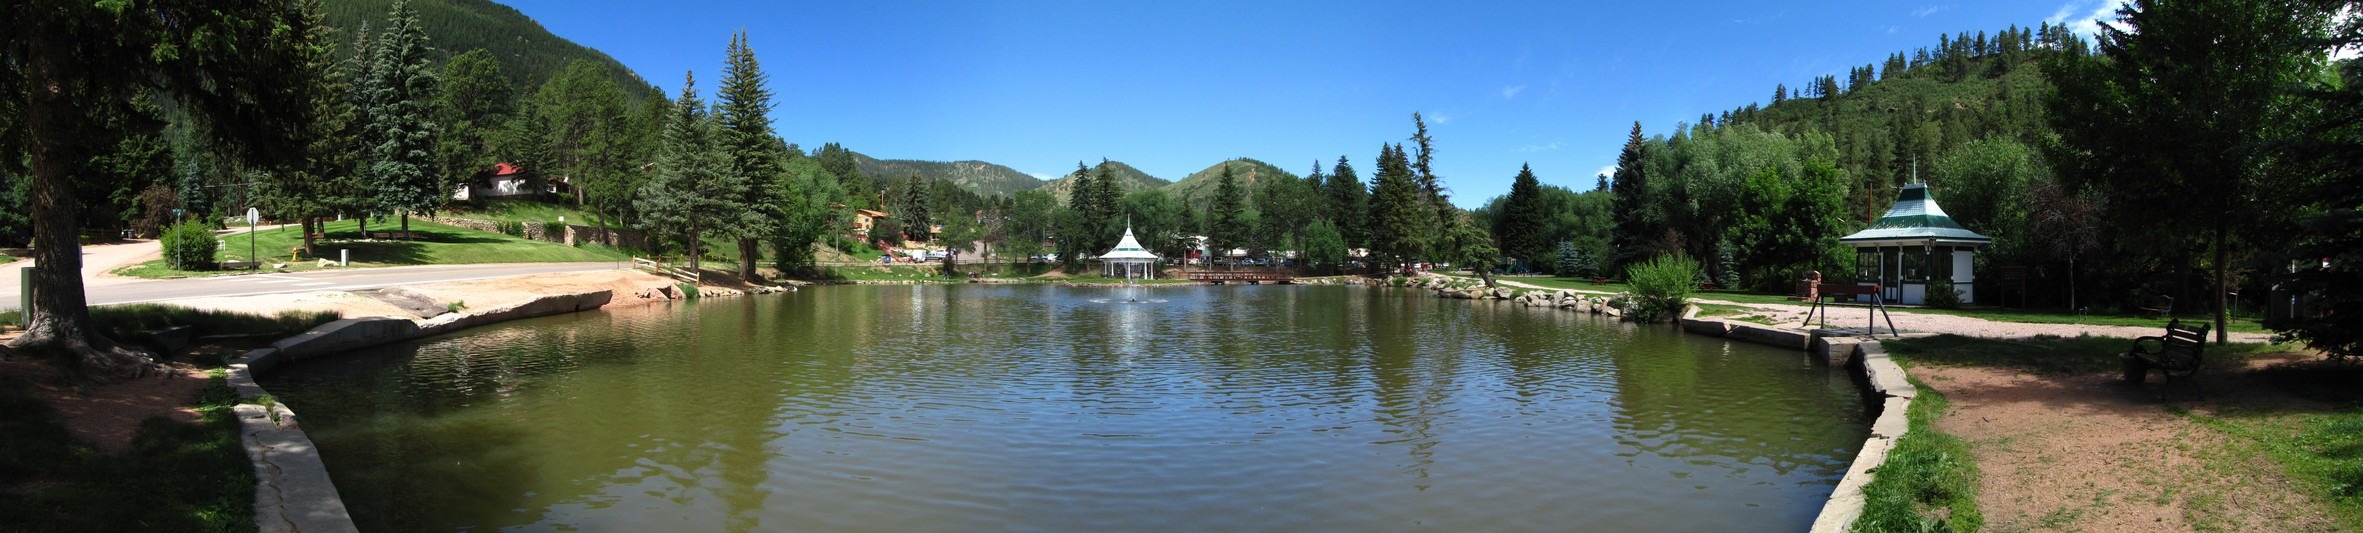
[2051, 355]
[2022, 316]
[1734, 312]
[6, 259]
[1929, 482]
[2318, 445]
[437, 244]
[177, 477]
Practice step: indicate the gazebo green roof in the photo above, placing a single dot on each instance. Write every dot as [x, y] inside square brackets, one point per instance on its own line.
[1915, 218]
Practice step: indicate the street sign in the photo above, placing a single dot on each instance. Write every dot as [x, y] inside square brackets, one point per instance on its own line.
[253, 216]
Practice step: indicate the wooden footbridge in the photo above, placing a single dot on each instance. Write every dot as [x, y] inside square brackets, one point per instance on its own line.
[1251, 277]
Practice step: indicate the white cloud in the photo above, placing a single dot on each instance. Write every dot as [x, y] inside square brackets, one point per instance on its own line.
[1512, 91]
[1440, 118]
[1531, 148]
[1043, 177]
[1610, 170]
[1925, 11]
[2094, 13]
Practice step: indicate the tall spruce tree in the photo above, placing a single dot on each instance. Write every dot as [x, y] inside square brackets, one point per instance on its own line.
[1230, 212]
[755, 151]
[1630, 205]
[1350, 200]
[1399, 221]
[401, 159]
[690, 165]
[308, 190]
[1520, 223]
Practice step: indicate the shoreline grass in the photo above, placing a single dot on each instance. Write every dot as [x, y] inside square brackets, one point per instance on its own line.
[2022, 316]
[2318, 445]
[1929, 482]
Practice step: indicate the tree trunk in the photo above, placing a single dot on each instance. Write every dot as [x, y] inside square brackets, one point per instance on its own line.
[309, 222]
[695, 242]
[1487, 276]
[748, 253]
[364, 220]
[405, 226]
[2223, 282]
[60, 316]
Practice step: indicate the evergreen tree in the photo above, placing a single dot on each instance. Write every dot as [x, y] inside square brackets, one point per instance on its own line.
[580, 131]
[308, 189]
[1472, 247]
[690, 165]
[839, 162]
[401, 162]
[1398, 221]
[1230, 213]
[1520, 223]
[71, 72]
[1631, 205]
[1351, 202]
[2175, 118]
[473, 110]
[917, 216]
[756, 154]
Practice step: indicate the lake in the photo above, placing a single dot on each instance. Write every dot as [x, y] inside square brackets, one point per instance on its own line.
[1036, 407]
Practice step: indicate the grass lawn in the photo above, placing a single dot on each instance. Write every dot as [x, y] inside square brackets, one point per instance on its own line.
[2055, 356]
[438, 244]
[5, 259]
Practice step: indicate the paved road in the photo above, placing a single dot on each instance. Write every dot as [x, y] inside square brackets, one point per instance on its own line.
[308, 281]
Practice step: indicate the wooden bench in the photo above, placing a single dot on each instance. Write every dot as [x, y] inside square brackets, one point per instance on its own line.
[2159, 308]
[2177, 354]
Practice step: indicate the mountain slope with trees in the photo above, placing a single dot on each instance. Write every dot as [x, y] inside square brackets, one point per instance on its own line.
[980, 177]
[1199, 187]
[528, 53]
[1128, 180]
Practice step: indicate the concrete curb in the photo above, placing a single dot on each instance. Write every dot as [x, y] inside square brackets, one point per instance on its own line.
[292, 490]
[1889, 389]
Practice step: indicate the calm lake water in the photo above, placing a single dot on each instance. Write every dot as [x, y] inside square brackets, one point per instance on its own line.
[968, 408]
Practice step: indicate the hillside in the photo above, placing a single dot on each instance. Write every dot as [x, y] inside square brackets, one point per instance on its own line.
[528, 53]
[980, 177]
[1199, 186]
[1128, 179]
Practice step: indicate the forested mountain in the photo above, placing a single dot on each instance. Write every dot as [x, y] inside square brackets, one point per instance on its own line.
[528, 54]
[979, 177]
[1128, 179]
[1198, 188]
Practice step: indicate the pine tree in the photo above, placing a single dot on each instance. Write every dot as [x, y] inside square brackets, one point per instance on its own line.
[1350, 200]
[1520, 223]
[474, 109]
[401, 163]
[744, 114]
[917, 209]
[839, 162]
[308, 190]
[1634, 224]
[1230, 213]
[1398, 221]
[690, 164]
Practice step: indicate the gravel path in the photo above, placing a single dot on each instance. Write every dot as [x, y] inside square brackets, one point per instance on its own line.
[1793, 316]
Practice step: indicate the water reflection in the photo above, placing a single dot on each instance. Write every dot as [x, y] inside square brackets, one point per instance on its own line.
[1027, 407]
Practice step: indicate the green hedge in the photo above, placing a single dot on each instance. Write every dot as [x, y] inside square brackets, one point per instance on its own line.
[1661, 287]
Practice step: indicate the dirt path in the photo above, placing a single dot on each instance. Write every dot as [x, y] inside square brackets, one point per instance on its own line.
[2089, 453]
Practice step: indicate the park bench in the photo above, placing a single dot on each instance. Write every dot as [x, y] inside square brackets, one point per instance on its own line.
[2175, 354]
[2159, 308]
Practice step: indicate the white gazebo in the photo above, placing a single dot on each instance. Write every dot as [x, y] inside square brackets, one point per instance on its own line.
[1129, 259]
[1914, 243]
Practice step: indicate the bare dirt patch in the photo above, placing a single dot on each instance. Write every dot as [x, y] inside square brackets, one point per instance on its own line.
[2090, 453]
[108, 416]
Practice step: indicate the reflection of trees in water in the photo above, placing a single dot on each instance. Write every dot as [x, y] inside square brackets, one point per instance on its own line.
[1732, 406]
[1415, 357]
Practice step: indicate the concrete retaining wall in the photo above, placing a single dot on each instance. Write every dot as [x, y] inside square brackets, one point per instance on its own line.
[292, 491]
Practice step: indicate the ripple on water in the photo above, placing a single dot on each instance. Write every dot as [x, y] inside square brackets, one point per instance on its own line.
[961, 408]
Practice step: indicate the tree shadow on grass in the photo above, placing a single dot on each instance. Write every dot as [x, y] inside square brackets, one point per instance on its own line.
[387, 252]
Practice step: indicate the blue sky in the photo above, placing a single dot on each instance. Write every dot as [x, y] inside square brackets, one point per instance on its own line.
[1173, 87]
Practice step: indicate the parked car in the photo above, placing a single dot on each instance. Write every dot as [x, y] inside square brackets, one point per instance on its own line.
[937, 255]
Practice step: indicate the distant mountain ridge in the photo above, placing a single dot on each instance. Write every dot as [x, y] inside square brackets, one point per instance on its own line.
[1200, 186]
[983, 178]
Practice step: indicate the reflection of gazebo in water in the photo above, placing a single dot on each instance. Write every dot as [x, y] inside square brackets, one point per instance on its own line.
[1913, 244]
[1129, 259]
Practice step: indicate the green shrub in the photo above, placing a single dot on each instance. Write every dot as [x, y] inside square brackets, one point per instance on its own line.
[512, 229]
[1573, 262]
[189, 246]
[1942, 295]
[1661, 287]
[554, 231]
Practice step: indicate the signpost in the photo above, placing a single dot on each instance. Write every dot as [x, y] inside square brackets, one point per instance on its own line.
[252, 216]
